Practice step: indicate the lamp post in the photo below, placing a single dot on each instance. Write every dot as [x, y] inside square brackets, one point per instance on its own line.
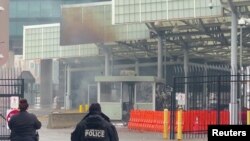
[241, 75]
[242, 22]
[241, 47]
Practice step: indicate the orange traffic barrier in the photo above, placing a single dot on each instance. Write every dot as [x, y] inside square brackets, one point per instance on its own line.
[193, 120]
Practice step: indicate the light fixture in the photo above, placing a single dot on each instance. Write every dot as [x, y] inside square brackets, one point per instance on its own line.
[1, 8]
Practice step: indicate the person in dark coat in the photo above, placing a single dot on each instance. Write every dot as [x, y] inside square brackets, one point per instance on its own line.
[95, 126]
[23, 125]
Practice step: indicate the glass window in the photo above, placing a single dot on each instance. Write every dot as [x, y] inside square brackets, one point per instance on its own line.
[34, 9]
[131, 9]
[13, 28]
[13, 9]
[50, 9]
[19, 29]
[22, 8]
[110, 92]
[144, 92]
[190, 13]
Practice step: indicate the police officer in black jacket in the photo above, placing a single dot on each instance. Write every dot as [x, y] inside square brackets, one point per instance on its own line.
[95, 126]
[23, 125]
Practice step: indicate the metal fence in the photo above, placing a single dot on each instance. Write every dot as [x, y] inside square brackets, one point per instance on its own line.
[10, 86]
[205, 100]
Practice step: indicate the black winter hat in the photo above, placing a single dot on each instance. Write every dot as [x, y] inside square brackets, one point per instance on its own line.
[95, 107]
[23, 104]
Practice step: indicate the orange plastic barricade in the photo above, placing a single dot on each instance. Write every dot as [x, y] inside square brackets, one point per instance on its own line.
[135, 119]
[158, 117]
[193, 120]
[224, 117]
[158, 121]
[132, 117]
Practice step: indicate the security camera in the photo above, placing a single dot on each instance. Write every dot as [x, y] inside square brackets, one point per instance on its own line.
[210, 5]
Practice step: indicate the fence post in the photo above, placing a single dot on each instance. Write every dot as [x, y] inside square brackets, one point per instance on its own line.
[173, 110]
[248, 117]
[86, 107]
[218, 100]
[80, 108]
[165, 124]
[179, 124]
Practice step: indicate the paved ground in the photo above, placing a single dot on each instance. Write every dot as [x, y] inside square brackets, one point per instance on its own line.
[64, 134]
[124, 135]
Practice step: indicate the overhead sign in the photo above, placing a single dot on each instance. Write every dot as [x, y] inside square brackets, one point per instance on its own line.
[14, 101]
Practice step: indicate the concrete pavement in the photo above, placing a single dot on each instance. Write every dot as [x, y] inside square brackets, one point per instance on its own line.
[64, 134]
[124, 134]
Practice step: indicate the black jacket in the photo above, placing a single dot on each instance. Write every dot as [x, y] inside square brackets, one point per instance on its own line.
[23, 126]
[95, 127]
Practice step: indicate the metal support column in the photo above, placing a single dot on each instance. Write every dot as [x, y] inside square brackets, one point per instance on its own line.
[137, 67]
[233, 95]
[186, 60]
[241, 98]
[165, 64]
[241, 53]
[111, 57]
[46, 95]
[107, 62]
[159, 58]
[205, 85]
[67, 97]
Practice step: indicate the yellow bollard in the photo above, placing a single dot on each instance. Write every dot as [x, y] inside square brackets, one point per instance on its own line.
[165, 124]
[179, 125]
[86, 107]
[80, 108]
[248, 117]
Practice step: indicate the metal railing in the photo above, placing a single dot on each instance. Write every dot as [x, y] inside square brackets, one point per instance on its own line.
[206, 101]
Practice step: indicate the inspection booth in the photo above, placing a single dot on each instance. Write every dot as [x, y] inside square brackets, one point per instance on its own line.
[119, 94]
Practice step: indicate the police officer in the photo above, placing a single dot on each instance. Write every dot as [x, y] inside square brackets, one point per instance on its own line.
[23, 125]
[95, 126]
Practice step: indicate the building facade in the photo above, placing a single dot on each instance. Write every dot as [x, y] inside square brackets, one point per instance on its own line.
[4, 34]
[33, 12]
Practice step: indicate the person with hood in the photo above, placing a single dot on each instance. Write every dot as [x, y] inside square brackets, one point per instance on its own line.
[95, 126]
[23, 125]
